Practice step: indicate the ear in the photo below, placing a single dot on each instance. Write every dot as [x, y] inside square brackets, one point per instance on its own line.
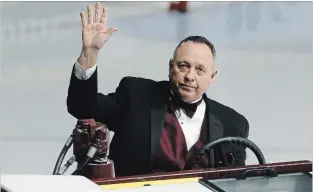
[213, 75]
[170, 63]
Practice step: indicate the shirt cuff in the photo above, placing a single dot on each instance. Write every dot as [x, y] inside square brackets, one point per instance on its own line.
[83, 74]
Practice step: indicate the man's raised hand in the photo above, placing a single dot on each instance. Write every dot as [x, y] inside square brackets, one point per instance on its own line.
[94, 27]
[94, 33]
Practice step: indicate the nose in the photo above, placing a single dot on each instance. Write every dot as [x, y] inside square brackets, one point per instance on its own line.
[190, 76]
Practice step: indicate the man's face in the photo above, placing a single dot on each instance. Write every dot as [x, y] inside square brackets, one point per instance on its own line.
[191, 70]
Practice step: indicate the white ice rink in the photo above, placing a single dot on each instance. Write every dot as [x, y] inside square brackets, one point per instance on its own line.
[264, 57]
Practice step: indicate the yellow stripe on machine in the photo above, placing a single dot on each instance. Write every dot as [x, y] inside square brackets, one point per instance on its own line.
[149, 183]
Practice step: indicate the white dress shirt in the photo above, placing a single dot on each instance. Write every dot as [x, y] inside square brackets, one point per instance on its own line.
[190, 126]
[83, 74]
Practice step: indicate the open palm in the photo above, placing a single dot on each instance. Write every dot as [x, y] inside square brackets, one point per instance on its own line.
[94, 29]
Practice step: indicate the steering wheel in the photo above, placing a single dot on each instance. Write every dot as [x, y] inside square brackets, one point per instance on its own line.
[237, 140]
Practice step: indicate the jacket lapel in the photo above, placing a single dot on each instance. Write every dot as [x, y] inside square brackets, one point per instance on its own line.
[215, 129]
[158, 111]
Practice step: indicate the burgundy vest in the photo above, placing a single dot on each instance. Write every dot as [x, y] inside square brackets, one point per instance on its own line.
[172, 153]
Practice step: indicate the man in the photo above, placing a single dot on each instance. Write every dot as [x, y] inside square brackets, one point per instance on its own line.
[159, 126]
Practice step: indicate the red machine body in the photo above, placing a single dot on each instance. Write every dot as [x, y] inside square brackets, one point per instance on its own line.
[90, 134]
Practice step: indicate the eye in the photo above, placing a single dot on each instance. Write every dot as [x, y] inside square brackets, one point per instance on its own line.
[181, 65]
[202, 70]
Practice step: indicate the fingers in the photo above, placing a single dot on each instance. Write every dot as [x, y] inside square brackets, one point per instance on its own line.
[93, 17]
[104, 18]
[98, 12]
[83, 18]
[100, 15]
[90, 14]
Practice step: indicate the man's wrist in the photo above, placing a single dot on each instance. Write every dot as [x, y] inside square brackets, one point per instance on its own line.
[88, 58]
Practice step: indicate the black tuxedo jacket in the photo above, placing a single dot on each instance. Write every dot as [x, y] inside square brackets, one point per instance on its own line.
[135, 112]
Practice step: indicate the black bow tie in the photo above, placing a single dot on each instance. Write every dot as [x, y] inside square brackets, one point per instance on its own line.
[189, 108]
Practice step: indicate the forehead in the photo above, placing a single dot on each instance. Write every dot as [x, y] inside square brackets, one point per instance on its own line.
[194, 53]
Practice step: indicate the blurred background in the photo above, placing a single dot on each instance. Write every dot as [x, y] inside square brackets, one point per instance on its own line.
[264, 58]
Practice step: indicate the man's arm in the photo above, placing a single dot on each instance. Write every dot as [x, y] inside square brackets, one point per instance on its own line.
[84, 101]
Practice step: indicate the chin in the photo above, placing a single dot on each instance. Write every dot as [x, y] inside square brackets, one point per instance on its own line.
[187, 97]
